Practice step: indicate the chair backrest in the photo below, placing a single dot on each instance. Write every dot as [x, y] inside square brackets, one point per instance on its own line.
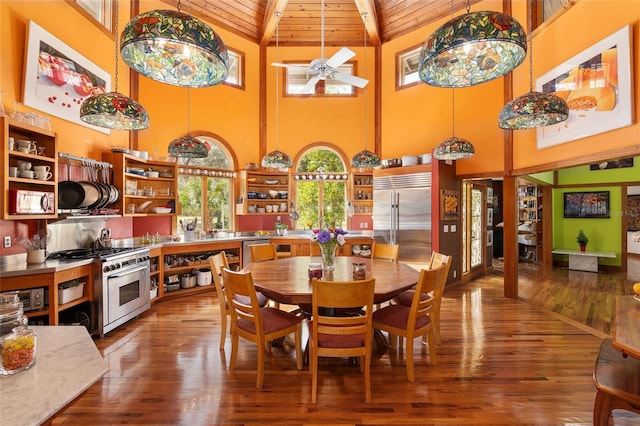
[240, 289]
[438, 259]
[385, 251]
[217, 262]
[346, 333]
[262, 252]
[428, 283]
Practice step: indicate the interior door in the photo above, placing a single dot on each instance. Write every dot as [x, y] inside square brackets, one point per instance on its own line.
[473, 223]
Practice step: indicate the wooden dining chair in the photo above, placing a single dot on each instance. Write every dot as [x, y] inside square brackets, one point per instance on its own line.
[413, 321]
[341, 336]
[256, 324]
[217, 262]
[262, 252]
[406, 297]
[385, 251]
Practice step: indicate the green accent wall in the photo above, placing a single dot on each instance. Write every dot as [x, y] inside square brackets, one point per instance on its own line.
[604, 234]
[546, 177]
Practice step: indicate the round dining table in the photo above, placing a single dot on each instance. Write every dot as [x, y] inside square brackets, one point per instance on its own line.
[286, 280]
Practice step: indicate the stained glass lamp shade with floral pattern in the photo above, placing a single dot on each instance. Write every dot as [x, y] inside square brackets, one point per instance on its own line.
[365, 160]
[454, 149]
[114, 111]
[175, 48]
[188, 147]
[532, 110]
[276, 160]
[471, 49]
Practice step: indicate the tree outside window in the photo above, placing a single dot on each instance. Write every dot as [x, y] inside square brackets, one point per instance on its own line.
[321, 189]
[205, 188]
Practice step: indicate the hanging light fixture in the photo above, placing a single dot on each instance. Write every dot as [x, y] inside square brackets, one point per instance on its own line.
[365, 159]
[533, 109]
[175, 48]
[453, 148]
[188, 146]
[114, 110]
[471, 49]
[277, 159]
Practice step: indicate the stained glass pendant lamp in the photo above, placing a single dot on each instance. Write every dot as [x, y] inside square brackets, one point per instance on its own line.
[277, 159]
[471, 49]
[113, 110]
[453, 148]
[175, 48]
[533, 109]
[365, 159]
[188, 146]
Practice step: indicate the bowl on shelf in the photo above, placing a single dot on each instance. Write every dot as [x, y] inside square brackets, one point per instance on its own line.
[392, 162]
[163, 210]
[251, 194]
[283, 194]
[261, 195]
[261, 209]
[153, 174]
[271, 181]
[273, 194]
[251, 167]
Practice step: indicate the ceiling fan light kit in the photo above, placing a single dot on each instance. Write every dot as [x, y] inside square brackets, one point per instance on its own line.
[471, 49]
[175, 48]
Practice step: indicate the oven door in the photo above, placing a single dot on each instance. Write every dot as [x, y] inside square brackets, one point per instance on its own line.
[127, 295]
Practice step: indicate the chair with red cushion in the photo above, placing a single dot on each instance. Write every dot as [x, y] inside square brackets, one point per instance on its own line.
[413, 321]
[341, 336]
[256, 324]
[216, 263]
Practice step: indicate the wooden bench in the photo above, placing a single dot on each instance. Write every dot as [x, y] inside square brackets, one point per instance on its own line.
[617, 379]
[584, 260]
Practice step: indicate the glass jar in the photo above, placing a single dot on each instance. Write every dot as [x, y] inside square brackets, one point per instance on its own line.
[11, 314]
[315, 270]
[17, 350]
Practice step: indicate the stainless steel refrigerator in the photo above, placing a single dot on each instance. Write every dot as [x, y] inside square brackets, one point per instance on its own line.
[402, 215]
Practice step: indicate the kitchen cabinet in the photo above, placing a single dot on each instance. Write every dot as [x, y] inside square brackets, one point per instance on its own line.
[50, 315]
[287, 247]
[362, 193]
[263, 193]
[180, 259]
[155, 260]
[44, 152]
[140, 193]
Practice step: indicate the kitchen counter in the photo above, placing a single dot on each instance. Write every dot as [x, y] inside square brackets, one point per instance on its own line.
[67, 364]
[21, 267]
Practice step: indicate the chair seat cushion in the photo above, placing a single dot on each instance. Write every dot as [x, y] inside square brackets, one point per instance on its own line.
[338, 341]
[272, 319]
[262, 299]
[397, 316]
[406, 297]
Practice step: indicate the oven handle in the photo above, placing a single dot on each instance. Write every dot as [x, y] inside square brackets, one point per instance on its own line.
[129, 271]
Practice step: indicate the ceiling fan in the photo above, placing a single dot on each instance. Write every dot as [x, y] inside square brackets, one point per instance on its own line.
[324, 68]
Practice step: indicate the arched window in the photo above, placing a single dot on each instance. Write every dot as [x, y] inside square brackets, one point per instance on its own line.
[205, 187]
[321, 188]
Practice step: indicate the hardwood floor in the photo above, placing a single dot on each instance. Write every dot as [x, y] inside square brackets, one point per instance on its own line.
[502, 361]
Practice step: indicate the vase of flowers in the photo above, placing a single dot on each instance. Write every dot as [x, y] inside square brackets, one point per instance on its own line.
[329, 239]
[281, 228]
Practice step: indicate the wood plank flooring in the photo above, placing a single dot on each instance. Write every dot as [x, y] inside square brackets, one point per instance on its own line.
[501, 362]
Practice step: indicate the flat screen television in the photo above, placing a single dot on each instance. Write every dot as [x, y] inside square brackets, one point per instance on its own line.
[586, 204]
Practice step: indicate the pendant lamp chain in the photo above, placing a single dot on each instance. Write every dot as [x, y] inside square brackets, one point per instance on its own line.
[530, 12]
[117, 45]
[277, 82]
[364, 18]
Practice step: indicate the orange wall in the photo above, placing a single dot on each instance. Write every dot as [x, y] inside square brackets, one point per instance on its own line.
[586, 23]
[67, 24]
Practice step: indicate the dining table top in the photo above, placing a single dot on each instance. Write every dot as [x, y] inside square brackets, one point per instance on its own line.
[286, 280]
[626, 326]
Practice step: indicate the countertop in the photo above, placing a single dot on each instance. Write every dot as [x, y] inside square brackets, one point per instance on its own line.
[19, 267]
[67, 364]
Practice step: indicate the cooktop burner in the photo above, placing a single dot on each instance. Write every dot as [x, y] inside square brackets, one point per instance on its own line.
[89, 253]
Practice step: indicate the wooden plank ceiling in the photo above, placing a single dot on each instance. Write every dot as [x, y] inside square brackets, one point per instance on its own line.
[300, 21]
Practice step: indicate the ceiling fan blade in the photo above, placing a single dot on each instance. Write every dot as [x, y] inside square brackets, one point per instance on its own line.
[350, 79]
[311, 84]
[295, 66]
[342, 56]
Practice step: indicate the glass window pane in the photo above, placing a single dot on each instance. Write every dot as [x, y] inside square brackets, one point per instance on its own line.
[190, 198]
[218, 203]
[307, 200]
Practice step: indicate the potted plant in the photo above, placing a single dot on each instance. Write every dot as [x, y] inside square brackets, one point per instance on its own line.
[281, 228]
[582, 240]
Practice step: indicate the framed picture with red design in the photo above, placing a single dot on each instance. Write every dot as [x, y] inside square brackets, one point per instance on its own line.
[57, 79]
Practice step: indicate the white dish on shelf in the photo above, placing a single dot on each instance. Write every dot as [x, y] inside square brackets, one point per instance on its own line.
[272, 181]
[163, 210]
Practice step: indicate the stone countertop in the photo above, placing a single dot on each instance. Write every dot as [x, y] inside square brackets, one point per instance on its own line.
[67, 364]
[16, 269]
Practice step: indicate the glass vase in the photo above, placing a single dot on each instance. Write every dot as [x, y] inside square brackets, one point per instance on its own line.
[328, 255]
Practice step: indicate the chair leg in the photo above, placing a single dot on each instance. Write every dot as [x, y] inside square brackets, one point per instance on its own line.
[366, 360]
[601, 409]
[223, 331]
[409, 359]
[432, 346]
[298, 339]
[313, 364]
[260, 376]
[234, 351]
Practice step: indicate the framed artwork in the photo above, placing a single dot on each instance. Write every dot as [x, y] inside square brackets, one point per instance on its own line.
[586, 204]
[490, 216]
[490, 195]
[489, 238]
[449, 204]
[101, 12]
[598, 87]
[613, 164]
[57, 79]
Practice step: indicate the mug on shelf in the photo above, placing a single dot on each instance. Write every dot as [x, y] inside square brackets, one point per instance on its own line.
[42, 169]
[43, 175]
[13, 172]
[28, 147]
[28, 174]
[24, 165]
[12, 144]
